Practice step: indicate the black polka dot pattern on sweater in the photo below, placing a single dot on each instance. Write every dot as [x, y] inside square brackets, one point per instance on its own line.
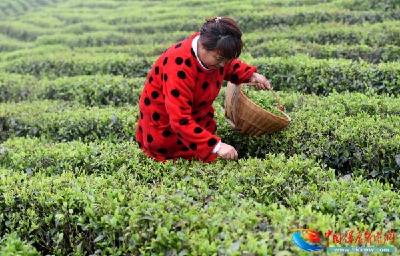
[181, 74]
[156, 116]
[211, 142]
[155, 94]
[178, 60]
[175, 93]
[184, 121]
[175, 117]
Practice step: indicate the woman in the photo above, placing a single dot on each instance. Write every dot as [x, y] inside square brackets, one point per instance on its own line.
[176, 114]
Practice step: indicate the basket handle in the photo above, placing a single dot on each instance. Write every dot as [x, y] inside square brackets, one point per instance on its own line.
[235, 93]
[280, 106]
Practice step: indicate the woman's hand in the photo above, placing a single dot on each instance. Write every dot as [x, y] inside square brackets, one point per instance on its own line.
[227, 152]
[260, 81]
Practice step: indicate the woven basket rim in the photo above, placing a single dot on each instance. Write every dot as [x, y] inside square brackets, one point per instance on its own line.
[285, 116]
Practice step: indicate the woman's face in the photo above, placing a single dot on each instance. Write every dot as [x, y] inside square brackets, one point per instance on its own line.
[211, 59]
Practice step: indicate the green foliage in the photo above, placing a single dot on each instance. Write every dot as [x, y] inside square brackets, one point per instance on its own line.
[309, 75]
[9, 8]
[31, 155]
[104, 38]
[93, 90]
[12, 245]
[8, 44]
[258, 21]
[285, 47]
[21, 31]
[386, 5]
[375, 35]
[81, 65]
[346, 131]
[63, 121]
[191, 207]
[86, 90]
[16, 87]
[299, 73]
[74, 182]
[351, 103]
[267, 100]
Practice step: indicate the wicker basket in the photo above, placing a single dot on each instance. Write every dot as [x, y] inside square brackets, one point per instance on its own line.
[249, 118]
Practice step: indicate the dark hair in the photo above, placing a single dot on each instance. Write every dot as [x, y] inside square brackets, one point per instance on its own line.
[222, 34]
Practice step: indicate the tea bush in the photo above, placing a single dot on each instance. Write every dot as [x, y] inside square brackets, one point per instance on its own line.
[65, 121]
[299, 73]
[12, 245]
[183, 212]
[285, 47]
[74, 182]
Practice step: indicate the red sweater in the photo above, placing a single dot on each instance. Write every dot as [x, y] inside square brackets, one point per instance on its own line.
[176, 115]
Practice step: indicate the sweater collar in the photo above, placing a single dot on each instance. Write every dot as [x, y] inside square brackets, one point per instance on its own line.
[194, 47]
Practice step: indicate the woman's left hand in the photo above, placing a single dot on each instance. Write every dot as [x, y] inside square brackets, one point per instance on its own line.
[260, 81]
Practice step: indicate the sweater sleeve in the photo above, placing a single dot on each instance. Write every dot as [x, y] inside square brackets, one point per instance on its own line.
[238, 72]
[178, 87]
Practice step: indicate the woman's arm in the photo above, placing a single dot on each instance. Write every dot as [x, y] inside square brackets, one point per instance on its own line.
[239, 72]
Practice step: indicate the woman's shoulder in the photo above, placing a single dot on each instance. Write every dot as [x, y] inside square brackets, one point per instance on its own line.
[182, 48]
[180, 56]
